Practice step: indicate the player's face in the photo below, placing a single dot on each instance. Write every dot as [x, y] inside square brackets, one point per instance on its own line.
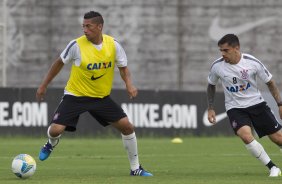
[230, 54]
[92, 30]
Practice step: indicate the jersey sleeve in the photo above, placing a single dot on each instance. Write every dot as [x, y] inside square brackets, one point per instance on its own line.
[121, 59]
[213, 76]
[70, 53]
[263, 73]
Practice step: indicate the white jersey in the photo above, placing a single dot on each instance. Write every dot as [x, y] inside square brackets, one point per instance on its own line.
[239, 81]
[72, 54]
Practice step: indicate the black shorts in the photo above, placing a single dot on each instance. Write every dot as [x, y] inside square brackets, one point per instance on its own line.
[259, 116]
[104, 110]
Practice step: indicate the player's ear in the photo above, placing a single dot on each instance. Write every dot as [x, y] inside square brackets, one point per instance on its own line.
[100, 27]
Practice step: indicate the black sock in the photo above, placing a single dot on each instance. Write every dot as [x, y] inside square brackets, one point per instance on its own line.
[270, 164]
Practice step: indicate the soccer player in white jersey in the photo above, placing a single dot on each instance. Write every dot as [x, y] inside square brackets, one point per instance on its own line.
[93, 57]
[244, 103]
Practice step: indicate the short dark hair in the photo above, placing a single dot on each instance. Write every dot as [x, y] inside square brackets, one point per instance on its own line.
[92, 14]
[230, 39]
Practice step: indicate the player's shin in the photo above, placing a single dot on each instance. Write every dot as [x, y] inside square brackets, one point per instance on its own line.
[256, 149]
[130, 144]
[53, 140]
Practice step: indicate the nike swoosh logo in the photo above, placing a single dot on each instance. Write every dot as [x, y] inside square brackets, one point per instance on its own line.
[216, 31]
[95, 78]
[218, 118]
[276, 126]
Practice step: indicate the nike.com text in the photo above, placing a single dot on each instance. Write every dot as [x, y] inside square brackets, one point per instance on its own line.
[27, 114]
[165, 116]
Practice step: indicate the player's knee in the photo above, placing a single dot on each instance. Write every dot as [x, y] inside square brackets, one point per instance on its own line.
[276, 138]
[124, 126]
[245, 134]
[127, 129]
[246, 138]
[55, 130]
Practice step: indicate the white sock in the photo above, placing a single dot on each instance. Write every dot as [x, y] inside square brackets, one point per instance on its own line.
[256, 149]
[53, 140]
[130, 144]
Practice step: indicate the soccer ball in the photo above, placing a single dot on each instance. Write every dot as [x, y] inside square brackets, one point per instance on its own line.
[23, 166]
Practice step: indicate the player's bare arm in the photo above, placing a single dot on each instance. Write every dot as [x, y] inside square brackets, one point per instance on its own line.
[53, 71]
[126, 77]
[210, 96]
[276, 94]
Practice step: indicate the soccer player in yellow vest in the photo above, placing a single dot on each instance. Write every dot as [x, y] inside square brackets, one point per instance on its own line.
[93, 57]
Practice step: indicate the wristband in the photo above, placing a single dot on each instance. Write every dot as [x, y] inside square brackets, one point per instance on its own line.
[279, 104]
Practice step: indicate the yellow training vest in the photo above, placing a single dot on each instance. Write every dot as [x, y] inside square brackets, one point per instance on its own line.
[94, 76]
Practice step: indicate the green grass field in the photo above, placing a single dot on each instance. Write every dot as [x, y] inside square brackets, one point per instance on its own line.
[104, 161]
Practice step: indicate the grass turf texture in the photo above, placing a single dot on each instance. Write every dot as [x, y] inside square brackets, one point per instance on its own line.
[104, 161]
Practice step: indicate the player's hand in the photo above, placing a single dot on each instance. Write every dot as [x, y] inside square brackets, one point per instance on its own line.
[40, 93]
[132, 91]
[211, 116]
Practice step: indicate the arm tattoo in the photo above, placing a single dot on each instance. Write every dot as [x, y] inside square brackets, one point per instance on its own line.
[210, 96]
[274, 90]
